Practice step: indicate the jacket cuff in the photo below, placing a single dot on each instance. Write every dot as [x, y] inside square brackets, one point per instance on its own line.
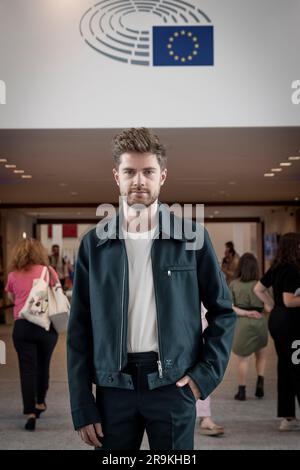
[203, 380]
[88, 414]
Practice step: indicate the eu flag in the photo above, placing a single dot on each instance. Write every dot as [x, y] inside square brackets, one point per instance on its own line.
[183, 45]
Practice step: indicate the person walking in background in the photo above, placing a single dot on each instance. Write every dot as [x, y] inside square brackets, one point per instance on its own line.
[230, 261]
[207, 427]
[251, 332]
[203, 407]
[58, 263]
[34, 345]
[284, 324]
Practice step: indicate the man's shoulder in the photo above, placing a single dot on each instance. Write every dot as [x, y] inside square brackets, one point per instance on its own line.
[90, 237]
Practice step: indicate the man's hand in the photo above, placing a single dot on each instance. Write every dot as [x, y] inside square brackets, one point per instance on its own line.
[188, 380]
[89, 434]
[254, 314]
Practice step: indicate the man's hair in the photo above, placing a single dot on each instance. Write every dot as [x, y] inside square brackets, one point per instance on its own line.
[247, 269]
[140, 140]
[230, 246]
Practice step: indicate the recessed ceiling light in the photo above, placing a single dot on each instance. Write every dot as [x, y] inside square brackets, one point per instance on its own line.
[294, 158]
[216, 212]
[277, 170]
[10, 166]
[26, 176]
[232, 182]
[73, 193]
[19, 171]
[269, 174]
[62, 184]
[285, 164]
[222, 192]
[3, 160]
[296, 198]
[211, 216]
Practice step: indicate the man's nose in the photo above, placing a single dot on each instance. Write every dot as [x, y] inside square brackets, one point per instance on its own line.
[139, 179]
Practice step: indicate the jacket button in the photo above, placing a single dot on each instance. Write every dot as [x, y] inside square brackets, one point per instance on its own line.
[110, 378]
[129, 382]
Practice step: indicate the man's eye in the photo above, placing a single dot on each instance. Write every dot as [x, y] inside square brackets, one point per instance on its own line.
[128, 172]
[149, 172]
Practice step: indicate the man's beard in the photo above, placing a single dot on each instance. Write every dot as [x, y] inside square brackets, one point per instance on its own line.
[134, 200]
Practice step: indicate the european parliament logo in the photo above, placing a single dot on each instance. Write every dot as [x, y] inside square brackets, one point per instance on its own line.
[150, 32]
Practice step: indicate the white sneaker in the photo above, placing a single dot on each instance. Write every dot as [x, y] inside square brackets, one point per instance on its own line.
[292, 425]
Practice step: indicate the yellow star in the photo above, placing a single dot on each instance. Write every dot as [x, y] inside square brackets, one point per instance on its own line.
[196, 46]
[169, 46]
[183, 59]
[171, 53]
[189, 34]
[176, 34]
[190, 57]
[176, 57]
[182, 32]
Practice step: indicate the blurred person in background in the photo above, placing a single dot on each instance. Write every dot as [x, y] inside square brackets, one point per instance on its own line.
[58, 263]
[284, 324]
[34, 345]
[230, 261]
[251, 332]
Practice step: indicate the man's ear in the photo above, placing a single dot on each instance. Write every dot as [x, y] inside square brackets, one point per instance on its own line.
[163, 176]
[116, 176]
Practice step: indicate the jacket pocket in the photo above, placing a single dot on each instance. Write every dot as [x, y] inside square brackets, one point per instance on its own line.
[173, 269]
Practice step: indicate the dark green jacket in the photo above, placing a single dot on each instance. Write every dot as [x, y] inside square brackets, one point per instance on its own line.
[97, 331]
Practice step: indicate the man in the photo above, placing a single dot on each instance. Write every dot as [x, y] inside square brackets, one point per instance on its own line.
[135, 325]
[58, 263]
[230, 262]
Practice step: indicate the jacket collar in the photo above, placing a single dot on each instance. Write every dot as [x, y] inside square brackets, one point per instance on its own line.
[169, 226]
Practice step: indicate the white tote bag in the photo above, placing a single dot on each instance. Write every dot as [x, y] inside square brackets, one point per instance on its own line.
[36, 307]
[59, 307]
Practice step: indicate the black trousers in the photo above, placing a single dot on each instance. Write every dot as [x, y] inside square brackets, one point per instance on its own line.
[34, 346]
[284, 326]
[167, 413]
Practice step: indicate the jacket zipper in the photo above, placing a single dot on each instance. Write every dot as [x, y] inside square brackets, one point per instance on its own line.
[122, 322]
[159, 362]
[179, 268]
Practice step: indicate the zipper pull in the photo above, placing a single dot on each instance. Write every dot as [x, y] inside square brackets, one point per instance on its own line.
[169, 273]
[160, 371]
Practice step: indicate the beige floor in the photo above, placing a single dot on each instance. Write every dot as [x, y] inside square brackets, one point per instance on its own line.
[248, 425]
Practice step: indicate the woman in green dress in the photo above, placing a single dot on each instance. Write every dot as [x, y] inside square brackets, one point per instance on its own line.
[251, 333]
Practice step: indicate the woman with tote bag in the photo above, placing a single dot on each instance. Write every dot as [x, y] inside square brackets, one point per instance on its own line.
[34, 344]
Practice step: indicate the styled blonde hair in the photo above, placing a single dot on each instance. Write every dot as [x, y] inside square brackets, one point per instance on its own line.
[28, 253]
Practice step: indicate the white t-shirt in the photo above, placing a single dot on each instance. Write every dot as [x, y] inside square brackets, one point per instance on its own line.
[142, 323]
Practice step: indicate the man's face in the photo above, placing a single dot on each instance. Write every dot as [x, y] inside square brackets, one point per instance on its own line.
[140, 178]
[55, 250]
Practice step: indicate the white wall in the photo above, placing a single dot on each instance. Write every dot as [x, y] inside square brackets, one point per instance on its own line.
[242, 234]
[55, 80]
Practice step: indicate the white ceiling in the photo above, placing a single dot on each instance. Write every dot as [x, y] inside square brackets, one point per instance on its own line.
[222, 165]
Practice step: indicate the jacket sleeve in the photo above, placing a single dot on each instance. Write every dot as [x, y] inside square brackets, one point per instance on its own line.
[218, 335]
[80, 346]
